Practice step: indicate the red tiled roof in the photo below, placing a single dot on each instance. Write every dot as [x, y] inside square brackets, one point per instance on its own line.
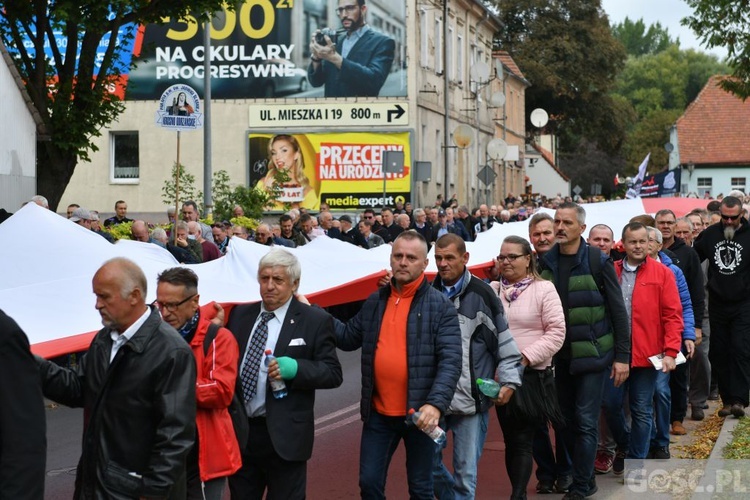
[508, 62]
[715, 127]
[548, 158]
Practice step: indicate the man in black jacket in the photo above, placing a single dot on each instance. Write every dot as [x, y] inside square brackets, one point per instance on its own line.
[274, 458]
[136, 384]
[23, 443]
[726, 246]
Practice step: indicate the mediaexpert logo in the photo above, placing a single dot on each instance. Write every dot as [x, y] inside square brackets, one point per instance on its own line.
[676, 478]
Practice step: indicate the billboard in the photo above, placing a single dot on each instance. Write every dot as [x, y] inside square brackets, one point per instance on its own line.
[344, 170]
[266, 49]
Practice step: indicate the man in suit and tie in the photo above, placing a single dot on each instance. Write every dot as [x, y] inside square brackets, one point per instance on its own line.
[358, 63]
[280, 442]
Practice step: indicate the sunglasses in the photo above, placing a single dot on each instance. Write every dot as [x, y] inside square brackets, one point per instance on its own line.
[730, 217]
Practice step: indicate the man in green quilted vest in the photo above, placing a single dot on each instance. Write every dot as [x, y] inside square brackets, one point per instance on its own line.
[597, 338]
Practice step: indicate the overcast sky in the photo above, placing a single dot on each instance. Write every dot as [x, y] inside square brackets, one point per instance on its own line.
[667, 12]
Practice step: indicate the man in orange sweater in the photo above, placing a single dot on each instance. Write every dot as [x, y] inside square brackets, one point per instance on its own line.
[411, 358]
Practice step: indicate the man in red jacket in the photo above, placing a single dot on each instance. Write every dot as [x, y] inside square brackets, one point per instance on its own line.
[216, 453]
[653, 304]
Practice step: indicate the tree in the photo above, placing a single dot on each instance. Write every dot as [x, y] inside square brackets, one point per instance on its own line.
[725, 23]
[639, 41]
[588, 165]
[188, 191]
[72, 89]
[568, 53]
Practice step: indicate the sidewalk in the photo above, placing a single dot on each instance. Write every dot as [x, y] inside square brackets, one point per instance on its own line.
[664, 472]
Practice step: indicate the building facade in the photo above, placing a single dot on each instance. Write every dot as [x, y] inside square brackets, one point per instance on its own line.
[443, 75]
[709, 143]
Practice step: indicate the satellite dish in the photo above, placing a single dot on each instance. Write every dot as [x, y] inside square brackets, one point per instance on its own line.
[497, 99]
[479, 72]
[463, 136]
[539, 118]
[669, 147]
[496, 149]
[499, 70]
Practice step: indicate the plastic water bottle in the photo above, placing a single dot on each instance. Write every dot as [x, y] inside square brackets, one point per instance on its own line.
[277, 386]
[437, 434]
[489, 387]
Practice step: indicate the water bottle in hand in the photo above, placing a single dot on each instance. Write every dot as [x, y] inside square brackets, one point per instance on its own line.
[489, 387]
[437, 434]
[277, 386]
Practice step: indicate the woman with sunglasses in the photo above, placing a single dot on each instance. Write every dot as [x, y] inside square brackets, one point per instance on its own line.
[535, 316]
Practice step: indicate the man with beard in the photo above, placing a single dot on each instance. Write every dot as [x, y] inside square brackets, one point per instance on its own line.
[358, 63]
[727, 248]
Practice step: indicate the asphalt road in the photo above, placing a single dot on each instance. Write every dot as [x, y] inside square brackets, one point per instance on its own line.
[333, 469]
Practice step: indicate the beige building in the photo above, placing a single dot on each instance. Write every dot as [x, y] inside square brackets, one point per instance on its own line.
[443, 60]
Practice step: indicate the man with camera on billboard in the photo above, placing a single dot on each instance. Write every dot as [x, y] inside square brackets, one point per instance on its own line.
[354, 64]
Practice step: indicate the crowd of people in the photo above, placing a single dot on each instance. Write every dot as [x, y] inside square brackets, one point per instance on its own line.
[599, 347]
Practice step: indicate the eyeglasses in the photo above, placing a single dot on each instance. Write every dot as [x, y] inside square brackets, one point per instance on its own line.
[346, 8]
[510, 257]
[173, 306]
[730, 217]
[665, 222]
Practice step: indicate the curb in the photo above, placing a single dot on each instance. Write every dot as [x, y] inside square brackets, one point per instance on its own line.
[716, 460]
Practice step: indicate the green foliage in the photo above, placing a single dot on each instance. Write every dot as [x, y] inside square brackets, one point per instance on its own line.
[588, 165]
[639, 40]
[659, 87]
[649, 135]
[74, 96]
[739, 447]
[250, 199]
[245, 222]
[188, 191]
[567, 51]
[725, 23]
[120, 231]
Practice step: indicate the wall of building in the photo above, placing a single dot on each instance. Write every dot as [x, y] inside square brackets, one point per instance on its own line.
[419, 60]
[17, 142]
[717, 180]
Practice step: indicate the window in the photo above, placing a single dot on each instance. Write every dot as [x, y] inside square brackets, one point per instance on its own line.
[704, 186]
[738, 183]
[124, 158]
[424, 43]
[460, 59]
[438, 46]
[449, 56]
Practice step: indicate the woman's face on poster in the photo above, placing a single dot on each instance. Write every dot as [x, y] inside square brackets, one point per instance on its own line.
[283, 154]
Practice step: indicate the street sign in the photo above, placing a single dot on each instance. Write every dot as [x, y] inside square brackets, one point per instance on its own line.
[320, 114]
[577, 190]
[486, 175]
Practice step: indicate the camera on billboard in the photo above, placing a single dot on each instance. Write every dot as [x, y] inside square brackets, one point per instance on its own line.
[320, 36]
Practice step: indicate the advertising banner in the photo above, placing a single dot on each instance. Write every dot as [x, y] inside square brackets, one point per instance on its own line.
[344, 170]
[264, 49]
[661, 185]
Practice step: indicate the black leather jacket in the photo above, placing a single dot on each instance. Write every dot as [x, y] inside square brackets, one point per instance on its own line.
[139, 420]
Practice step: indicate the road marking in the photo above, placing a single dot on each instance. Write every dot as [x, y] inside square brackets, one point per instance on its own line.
[337, 413]
[337, 423]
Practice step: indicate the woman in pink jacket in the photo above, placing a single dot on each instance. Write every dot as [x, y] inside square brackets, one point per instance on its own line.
[537, 323]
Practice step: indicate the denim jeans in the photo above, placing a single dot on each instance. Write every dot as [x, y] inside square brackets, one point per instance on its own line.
[662, 406]
[380, 438]
[641, 385]
[580, 398]
[469, 433]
